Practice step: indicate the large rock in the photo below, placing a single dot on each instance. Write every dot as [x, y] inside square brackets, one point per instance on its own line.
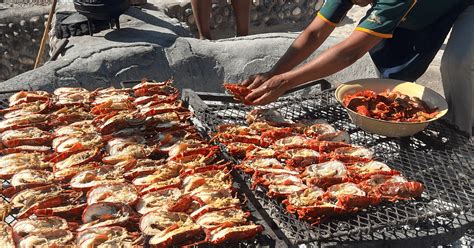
[152, 45]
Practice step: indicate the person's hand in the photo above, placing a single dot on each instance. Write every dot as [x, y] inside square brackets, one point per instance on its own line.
[256, 80]
[269, 90]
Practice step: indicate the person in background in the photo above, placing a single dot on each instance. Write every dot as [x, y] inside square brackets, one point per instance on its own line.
[202, 15]
[402, 36]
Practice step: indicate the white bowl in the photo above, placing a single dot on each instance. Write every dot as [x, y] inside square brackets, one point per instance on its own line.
[391, 128]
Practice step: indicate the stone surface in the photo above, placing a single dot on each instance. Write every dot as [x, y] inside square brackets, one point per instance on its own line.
[20, 37]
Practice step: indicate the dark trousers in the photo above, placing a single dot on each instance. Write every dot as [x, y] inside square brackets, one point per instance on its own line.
[408, 54]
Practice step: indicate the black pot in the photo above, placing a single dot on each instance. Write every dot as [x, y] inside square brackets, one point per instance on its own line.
[101, 9]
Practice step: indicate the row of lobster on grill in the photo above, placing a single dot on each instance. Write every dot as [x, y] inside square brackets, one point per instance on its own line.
[113, 168]
[312, 167]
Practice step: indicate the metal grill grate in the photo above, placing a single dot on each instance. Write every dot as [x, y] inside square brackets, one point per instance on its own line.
[439, 157]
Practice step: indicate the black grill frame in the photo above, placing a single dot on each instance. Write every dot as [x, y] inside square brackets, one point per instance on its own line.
[439, 157]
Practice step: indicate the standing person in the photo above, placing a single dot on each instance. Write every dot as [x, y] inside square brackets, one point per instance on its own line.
[202, 14]
[402, 36]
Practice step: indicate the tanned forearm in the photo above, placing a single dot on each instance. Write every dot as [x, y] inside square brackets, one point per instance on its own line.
[334, 59]
[305, 44]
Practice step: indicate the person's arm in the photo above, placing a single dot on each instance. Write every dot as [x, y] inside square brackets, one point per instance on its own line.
[305, 44]
[329, 62]
[334, 59]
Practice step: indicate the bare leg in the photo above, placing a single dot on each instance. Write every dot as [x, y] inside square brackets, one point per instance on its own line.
[242, 16]
[202, 15]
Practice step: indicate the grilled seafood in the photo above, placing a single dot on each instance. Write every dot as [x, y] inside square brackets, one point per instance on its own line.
[25, 136]
[353, 154]
[307, 198]
[156, 99]
[169, 229]
[24, 227]
[113, 105]
[65, 175]
[13, 163]
[71, 97]
[167, 199]
[32, 120]
[76, 128]
[281, 190]
[143, 167]
[162, 108]
[70, 143]
[251, 165]
[156, 222]
[127, 151]
[278, 179]
[340, 136]
[69, 90]
[350, 196]
[299, 157]
[390, 105]
[147, 88]
[68, 115]
[291, 142]
[361, 170]
[392, 188]
[28, 96]
[325, 174]
[66, 160]
[215, 219]
[28, 179]
[318, 129]
[30, 200]
[165, 172]
[238, 91]
[224, 234]
[121, 120]
[169, 183]
[56, 238]
[107, 214]
[118, 193]
[4, 210]
[113, 236]
[6, 236]
[269, 116]
[261, 153]
[28, 108]
[102, 175]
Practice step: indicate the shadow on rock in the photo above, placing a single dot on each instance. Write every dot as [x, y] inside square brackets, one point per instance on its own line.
[131, 35]
[155, 21]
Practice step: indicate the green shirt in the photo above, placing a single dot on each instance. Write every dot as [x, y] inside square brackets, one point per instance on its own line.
[386, 15]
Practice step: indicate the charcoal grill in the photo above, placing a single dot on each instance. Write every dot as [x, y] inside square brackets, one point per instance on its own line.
[439, 157]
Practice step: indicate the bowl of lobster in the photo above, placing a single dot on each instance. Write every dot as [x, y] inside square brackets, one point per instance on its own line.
[391, 108]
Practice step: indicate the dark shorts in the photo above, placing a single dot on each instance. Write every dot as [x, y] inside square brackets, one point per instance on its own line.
[408, 54]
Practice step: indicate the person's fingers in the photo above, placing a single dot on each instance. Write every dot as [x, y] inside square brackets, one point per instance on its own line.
[264, 99]
[246, 82]
[255, 94]
[256, 83]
